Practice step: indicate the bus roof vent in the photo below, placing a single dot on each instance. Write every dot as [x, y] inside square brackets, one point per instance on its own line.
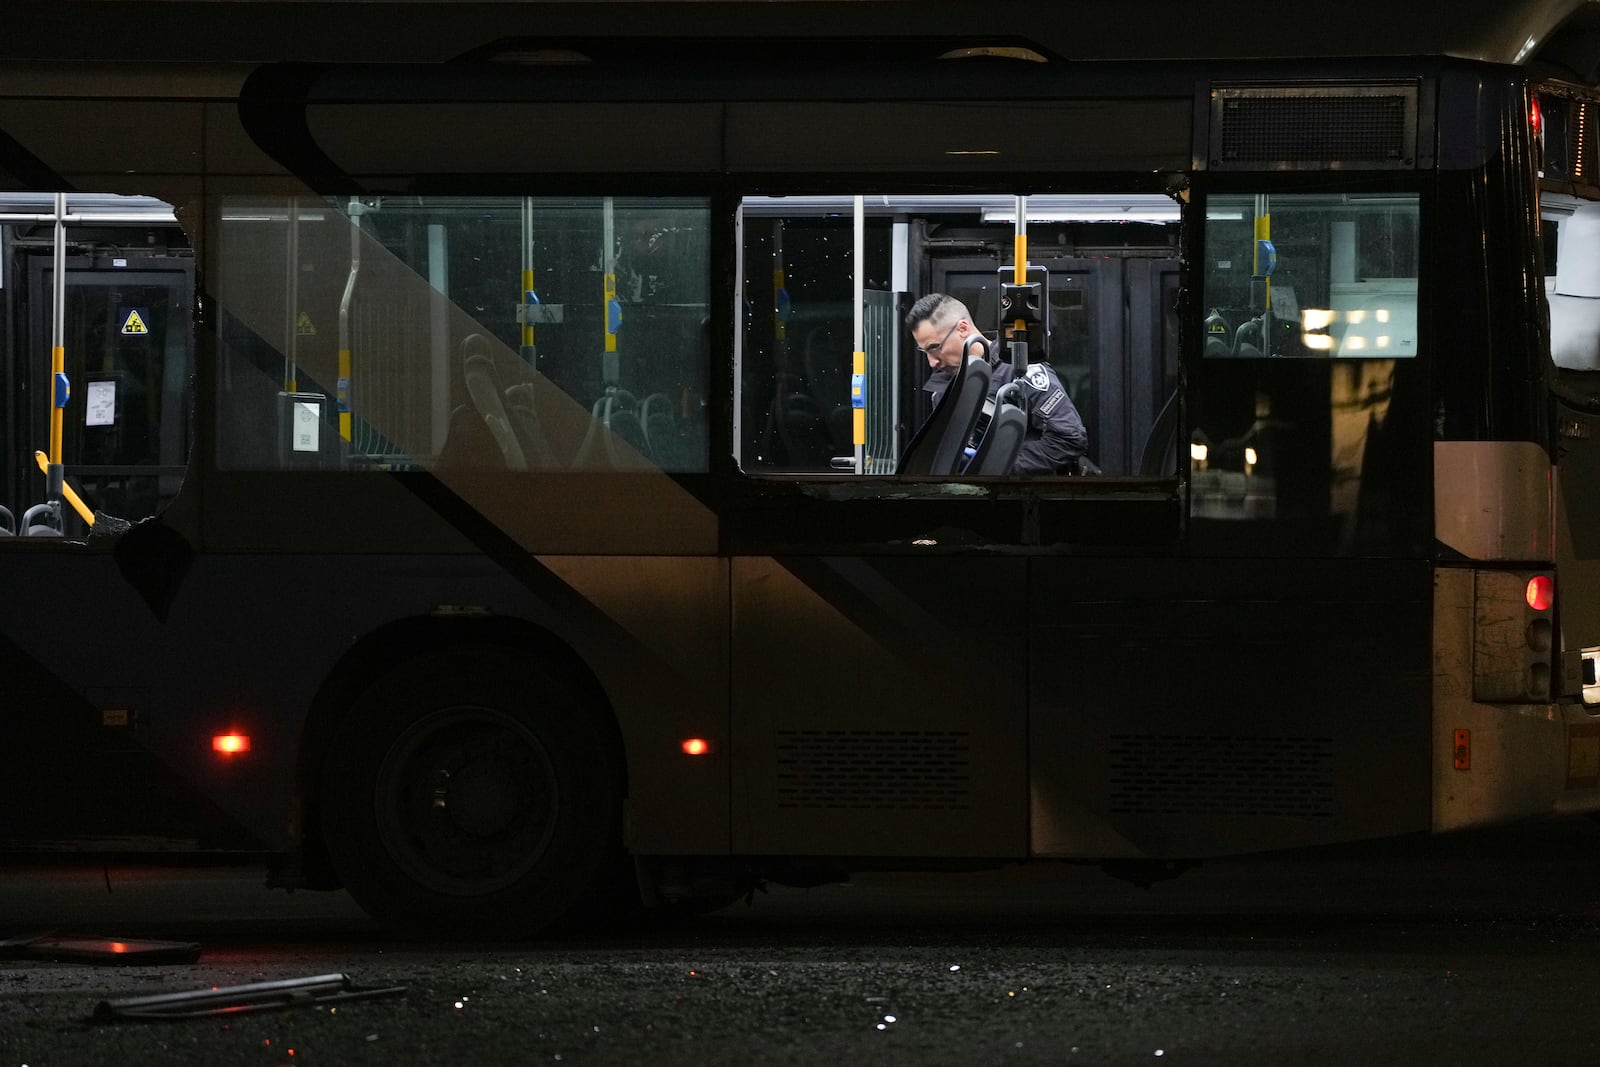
[1314, 127]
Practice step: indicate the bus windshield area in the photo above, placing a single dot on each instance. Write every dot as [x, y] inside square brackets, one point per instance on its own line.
[1310, 305]
[1320, 275]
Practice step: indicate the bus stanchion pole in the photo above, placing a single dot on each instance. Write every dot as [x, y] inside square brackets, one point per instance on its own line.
[1019, 299]
[858, 365]
[1264, 259]
[61, 388]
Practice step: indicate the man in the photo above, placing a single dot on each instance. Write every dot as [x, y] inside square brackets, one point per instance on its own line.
[941, 328]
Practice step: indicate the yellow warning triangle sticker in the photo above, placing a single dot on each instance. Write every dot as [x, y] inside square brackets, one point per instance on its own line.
[303, 327]
[134, 324]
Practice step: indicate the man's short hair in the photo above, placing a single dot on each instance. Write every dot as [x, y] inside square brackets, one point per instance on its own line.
[941, 309]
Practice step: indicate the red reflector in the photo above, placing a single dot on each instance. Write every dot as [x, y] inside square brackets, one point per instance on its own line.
[1541, 590]
[230, 744]
[1536, 118]
[696, 746]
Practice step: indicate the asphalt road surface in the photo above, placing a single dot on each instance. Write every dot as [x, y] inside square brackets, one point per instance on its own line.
[1465, 950]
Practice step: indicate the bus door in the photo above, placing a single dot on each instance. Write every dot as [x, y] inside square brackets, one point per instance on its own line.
[127, 342]
[1113, 339]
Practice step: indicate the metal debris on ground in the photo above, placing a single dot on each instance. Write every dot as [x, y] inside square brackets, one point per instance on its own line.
[85, 948]
[233, 1000]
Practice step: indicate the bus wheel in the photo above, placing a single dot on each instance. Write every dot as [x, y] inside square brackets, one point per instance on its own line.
[469, 795]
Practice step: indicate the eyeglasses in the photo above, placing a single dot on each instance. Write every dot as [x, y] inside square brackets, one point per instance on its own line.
[931, 349]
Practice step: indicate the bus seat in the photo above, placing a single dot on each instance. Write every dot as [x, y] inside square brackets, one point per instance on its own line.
[1160, 455]
[939, 444]
[997, 452]
[1247, 339]
[8, 523]
[621, 415]
[42, 520]
[485, 394]
[615, 415]
[802, 430]
[827, 368]
[523, 412]
[1218, 343]
[660, 429]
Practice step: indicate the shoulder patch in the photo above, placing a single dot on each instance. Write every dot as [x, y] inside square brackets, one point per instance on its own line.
[1038, 378]
[1054, 402]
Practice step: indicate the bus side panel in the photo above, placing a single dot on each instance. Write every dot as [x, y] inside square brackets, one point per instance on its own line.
[247, 641]
[1193, 707]
[79, 705]
[665, 672]
[878, 706]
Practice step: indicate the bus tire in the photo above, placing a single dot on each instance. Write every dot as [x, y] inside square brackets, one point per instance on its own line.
[468, 795]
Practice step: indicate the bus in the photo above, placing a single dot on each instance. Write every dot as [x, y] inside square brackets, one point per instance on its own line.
[474, 455]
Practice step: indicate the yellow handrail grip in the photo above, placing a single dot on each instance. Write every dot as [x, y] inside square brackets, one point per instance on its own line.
[66, 490]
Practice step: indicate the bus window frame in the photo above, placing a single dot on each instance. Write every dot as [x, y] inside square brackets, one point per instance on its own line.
[958, 486]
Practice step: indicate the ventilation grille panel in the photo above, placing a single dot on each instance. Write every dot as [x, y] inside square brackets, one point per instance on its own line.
[1173, 774]
[1311, 128]
[874, 769]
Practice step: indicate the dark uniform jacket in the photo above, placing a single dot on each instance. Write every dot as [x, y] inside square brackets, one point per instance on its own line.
[1055, 437]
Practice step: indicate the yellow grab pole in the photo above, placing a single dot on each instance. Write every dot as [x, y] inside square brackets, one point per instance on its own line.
[858, 414]
[1263, 229]
[527, 309]
[345, 421]
[1019, 270]
[58, 370]
[66, 490]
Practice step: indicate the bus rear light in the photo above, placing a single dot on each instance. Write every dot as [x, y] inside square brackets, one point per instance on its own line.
[1513, 635]
[230, 744]
[696, 746]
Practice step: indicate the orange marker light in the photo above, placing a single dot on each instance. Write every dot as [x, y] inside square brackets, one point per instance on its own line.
[1541, 590]
[230, 744]
[696, 746]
